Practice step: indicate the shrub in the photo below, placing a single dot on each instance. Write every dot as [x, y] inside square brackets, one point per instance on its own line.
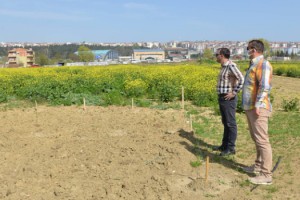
[292, 105]
[135, 88]
[279, 71]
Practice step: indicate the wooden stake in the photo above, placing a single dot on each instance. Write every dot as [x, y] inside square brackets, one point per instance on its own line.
[35, 105]
[207, 167]
[131, 103]
[84, 108]
[182, 97]
[191, 123]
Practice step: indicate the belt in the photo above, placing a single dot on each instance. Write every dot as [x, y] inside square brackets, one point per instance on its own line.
[222, 95]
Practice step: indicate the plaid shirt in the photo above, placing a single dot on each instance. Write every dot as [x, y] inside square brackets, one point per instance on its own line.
[257, 86]
[230, 79]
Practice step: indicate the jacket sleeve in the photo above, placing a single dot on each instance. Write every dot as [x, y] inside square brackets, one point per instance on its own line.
[263, 76]
[240, 79]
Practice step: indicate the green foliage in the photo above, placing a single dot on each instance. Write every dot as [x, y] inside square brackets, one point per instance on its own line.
[196, 163]
[285, 124]
[135, 88]
[293, 72]
[208, 54]
[142, 102]
[112, 85]
[279, 71]
[287, 69]
[292, 105]
[167, 91]
[85, 54]
[3, 97]
[239, 107]
[114, 98]
[207, 57]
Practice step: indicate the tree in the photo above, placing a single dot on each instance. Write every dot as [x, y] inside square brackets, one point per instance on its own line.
[281, 54]
[3, 59]
[208, 54]
[293, 55]
[73, 57]
[85, 54]
[42, 59]
[286, 54]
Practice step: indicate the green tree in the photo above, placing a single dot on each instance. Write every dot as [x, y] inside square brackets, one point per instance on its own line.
[73, 57]
[42, 59]
[208, 54]
[293, 55]
[85, 54]
[3, 59]
[281, 54]
[286, 54]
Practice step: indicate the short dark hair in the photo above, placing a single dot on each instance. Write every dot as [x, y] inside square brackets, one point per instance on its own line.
[225, 52]
[258, 45]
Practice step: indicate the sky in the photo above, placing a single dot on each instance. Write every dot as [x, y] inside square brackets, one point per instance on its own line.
[148, 20]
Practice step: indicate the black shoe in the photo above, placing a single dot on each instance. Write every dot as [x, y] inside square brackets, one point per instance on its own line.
[227, 152]
[218, 148]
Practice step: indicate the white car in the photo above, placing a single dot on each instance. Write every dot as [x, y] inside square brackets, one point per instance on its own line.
[135, 61]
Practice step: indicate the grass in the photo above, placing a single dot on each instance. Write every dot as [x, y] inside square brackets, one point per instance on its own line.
[196, 163]
[284, 132]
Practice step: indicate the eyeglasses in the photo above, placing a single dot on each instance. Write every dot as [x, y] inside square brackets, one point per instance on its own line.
[250, 48]
[217, 54]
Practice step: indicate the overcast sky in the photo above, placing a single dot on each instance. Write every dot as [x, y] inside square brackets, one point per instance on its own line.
[148, 20]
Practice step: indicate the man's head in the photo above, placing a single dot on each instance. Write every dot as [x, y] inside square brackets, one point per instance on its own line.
[222, 55]
[255, 48]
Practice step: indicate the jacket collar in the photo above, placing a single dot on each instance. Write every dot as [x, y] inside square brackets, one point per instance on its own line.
[255, 61]
[226, 63]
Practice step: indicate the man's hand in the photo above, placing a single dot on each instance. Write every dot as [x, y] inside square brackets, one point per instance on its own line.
[229, 96]
[257, 111]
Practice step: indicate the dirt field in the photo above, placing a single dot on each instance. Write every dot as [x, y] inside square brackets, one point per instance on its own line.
[118, 153]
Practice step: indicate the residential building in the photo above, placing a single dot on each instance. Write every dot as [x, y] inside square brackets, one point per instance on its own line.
[20, 57]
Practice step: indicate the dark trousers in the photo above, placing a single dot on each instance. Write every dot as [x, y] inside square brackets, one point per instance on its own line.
[228, 108]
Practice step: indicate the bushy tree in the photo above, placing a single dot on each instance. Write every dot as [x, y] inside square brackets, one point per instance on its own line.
[85, 54]
[208, 54]
[42, 59]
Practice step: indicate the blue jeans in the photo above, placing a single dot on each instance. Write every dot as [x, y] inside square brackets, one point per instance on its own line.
[228, 109]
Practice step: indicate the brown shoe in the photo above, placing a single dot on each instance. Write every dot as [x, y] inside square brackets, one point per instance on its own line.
[261, 180]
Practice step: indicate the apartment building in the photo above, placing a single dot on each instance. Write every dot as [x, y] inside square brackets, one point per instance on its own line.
[20, 57]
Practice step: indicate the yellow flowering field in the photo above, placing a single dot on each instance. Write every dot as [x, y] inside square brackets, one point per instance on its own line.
[287, 69]
[110, 84]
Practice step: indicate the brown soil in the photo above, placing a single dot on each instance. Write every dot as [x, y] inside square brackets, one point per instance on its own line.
[119, 153]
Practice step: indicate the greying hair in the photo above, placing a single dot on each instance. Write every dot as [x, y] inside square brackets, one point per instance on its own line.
[258, 45]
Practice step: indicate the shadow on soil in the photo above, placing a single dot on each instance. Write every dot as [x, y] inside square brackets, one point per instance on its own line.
[200, 148]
